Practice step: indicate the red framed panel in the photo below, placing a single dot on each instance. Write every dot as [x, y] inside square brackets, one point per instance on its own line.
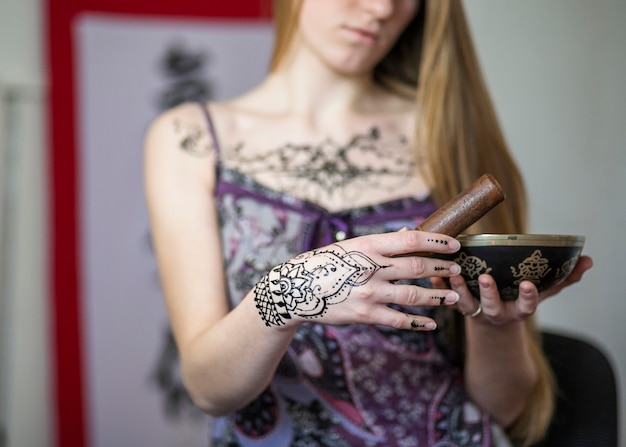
[67, 373]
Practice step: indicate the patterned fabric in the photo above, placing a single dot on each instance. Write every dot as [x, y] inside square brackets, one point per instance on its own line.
[355, 385]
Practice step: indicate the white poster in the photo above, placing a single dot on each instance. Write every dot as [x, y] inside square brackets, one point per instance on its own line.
[128, 70]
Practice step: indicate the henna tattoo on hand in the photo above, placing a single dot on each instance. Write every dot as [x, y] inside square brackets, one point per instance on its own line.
[306, 285]
[438, 241]
[416, 325]
[441, 299]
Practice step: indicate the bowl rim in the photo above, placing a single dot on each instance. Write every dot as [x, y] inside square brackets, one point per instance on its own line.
[522, 240]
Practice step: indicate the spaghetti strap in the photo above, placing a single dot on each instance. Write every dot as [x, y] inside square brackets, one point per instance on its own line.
[212, 132]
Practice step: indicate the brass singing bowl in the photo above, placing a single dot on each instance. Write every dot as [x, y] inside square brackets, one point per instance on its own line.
[543, 259]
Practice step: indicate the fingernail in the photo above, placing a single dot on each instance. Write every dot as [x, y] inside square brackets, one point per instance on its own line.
[455, 269]
[525, 289]
[403, 229]
[431, 325]
[454, 244]
[451, 298]
[484, 284]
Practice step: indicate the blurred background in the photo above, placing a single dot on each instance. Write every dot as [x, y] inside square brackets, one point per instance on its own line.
[85, 353]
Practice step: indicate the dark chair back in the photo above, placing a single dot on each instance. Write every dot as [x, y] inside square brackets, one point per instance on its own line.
[587, 409]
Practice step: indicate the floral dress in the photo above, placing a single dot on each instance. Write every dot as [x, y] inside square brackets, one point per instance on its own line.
[352, 385]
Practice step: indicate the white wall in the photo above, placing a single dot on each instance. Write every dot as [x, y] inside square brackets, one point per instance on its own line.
[556, 71]
[24, 401]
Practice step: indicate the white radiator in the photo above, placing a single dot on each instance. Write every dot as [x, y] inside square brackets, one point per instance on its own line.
[3, 260]
[23, 311]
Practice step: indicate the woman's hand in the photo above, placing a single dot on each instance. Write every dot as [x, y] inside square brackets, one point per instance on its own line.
[500, 372]
[498, 312]
[583, 264]
[353, 281]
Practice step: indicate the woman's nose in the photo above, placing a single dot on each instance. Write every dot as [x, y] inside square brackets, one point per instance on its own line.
[381, 9]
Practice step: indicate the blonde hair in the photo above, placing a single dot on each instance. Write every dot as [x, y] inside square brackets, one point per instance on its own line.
[458, 138]
[285, 13]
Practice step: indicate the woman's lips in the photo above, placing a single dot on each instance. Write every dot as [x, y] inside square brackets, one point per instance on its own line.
[362, 34]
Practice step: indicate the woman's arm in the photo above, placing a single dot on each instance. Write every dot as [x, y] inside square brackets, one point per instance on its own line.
[227, 357]
[500, 371]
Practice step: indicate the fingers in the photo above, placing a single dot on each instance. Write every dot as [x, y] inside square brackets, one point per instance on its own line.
[489, 296]
[467, 303]
[414, 267]
[527, 300]
[399, 253]
[410, 295]
[412, 241]
[584, 263]
[400, 320]
[494, 309]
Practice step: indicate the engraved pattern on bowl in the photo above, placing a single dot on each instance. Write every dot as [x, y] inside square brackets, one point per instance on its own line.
[534, 268]
[545, 260]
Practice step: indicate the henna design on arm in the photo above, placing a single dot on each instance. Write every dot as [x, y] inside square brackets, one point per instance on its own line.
[193, 140]
[306, 285]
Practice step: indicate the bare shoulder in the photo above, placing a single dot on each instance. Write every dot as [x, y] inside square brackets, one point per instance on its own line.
[183, 128]
[179, 147]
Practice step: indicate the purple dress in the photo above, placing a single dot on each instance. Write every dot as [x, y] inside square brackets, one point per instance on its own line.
[353, 385]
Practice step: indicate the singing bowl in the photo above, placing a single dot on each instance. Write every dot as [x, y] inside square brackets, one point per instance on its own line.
[543, 259]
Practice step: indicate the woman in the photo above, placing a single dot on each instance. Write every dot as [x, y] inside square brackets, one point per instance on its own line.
[301, 312]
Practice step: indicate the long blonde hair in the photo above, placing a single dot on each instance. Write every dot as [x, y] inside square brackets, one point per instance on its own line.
[457, 139]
